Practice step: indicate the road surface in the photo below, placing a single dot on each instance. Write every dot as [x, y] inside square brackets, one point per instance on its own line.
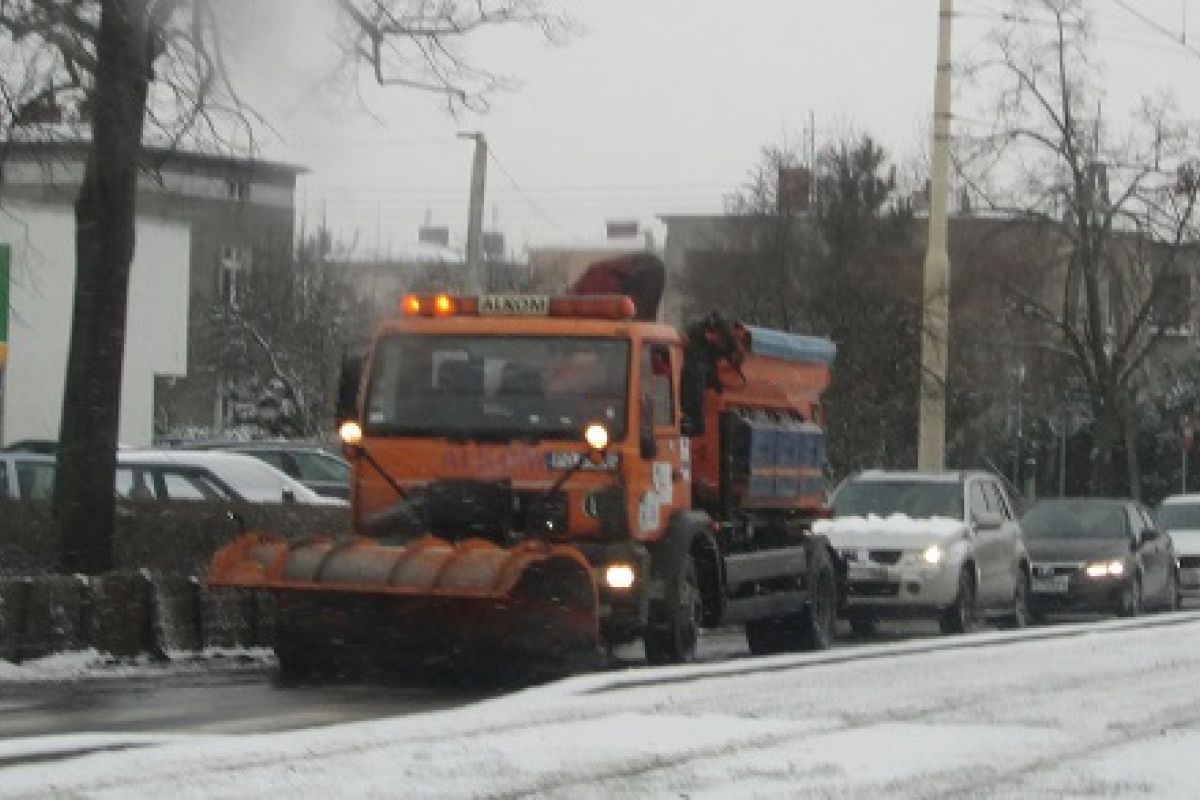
[1097, 709]
[252, 701]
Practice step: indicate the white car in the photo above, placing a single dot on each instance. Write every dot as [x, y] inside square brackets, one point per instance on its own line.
[1178, 517]
[940, 544]
[26, 476]
[208, 475]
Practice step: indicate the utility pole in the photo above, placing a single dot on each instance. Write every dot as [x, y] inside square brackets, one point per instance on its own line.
[475, 214]
[931, 437]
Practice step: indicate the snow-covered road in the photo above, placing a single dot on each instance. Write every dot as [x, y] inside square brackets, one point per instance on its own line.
[1107, 709]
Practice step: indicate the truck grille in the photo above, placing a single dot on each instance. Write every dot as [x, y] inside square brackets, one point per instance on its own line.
[887, 557]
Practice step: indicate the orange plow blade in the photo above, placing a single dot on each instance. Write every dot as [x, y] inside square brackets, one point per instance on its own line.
[421, 604]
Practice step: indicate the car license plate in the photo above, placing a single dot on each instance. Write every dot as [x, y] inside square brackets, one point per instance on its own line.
[866, 573]
[1054, 585]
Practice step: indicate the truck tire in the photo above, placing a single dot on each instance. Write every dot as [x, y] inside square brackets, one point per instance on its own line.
[674, 630]
[810, 629]
[960, 617]
[299, 662]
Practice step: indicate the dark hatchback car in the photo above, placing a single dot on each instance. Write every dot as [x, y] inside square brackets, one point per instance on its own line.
[1098, 555]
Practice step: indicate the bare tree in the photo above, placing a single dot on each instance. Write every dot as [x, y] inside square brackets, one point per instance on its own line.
[126, 67]
[1119, 206]
[277, 343]
[751, 266]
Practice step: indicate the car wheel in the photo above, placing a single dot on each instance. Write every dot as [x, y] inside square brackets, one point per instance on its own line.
[960, 617]
[1130, 603]
[863, 625]
[1174, 600]
[672, 639]
[1019, 616]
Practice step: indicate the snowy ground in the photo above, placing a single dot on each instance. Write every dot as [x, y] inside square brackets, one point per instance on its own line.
[1108, 709]
[89, 664]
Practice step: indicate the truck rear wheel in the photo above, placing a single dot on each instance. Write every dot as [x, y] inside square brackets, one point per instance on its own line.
[674, 627]
[810, 629]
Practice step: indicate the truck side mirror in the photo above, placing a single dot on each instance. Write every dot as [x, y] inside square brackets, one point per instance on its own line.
[348, 383]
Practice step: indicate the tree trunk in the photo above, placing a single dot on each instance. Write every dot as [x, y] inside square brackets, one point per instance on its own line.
[104, 245]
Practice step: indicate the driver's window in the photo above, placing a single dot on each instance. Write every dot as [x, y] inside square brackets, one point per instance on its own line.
[657, 388]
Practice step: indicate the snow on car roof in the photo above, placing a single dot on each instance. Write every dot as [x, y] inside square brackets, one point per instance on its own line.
[892, 524]
[913, 475]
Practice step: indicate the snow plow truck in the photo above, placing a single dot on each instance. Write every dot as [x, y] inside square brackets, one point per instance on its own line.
[547, 476]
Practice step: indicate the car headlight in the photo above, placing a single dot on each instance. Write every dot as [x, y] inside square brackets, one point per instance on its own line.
[1105, 569]
[619, 576]
[933, 554]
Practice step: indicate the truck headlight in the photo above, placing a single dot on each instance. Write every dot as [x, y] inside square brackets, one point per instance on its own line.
[933, 554]
[619, 576]
[1105, 569]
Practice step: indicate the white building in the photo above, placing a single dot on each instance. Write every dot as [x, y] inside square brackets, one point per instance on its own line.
[41, 291]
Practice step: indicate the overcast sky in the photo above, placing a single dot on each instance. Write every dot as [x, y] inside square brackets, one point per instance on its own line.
[653, 107]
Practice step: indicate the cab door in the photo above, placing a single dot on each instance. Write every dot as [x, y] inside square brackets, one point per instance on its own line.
[664, 471]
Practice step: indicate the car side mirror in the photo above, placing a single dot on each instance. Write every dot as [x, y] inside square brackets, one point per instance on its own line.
[289, 496]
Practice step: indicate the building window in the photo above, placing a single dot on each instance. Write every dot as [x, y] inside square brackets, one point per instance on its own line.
[1172, 305]
[235, 260]
[237, 189]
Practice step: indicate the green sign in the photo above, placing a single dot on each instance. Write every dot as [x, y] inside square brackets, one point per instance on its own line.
[5, 259]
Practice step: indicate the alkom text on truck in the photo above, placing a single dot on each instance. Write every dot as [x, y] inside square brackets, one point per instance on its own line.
[548, 475]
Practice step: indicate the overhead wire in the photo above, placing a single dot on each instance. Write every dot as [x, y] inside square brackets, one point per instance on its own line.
[1180, 40]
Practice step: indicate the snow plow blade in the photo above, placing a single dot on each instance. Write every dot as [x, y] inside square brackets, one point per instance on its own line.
[422, 604]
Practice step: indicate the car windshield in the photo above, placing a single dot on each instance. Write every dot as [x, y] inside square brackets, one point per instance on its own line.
[497, 387]
[916, 499]
[1075, 519]
[1179, 516]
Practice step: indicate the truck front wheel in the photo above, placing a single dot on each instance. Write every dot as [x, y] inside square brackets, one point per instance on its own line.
[674, 627]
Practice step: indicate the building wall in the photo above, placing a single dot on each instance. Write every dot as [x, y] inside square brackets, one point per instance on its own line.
[237, 210]
[42, 238]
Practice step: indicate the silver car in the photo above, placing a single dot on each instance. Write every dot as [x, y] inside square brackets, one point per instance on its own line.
[940, 544]
[1179, 517]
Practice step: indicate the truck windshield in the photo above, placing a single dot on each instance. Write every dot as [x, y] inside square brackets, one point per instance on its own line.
[497, 387]
[916, 499]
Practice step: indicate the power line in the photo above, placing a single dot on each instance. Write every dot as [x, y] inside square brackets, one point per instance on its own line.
[1180, 40]
[532, 204]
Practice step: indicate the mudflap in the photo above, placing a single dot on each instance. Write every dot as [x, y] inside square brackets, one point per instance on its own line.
[476, 613]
